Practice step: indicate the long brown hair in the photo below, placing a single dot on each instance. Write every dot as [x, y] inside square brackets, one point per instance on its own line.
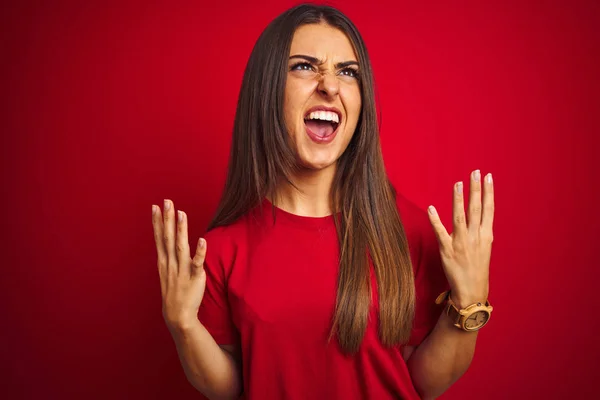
[261, 159]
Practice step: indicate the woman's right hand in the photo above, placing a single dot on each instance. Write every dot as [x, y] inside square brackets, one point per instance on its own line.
[182, 279]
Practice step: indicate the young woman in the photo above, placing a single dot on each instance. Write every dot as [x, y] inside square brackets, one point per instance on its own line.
[316, 280]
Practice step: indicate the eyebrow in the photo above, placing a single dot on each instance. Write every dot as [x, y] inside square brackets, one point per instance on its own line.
[316, 61]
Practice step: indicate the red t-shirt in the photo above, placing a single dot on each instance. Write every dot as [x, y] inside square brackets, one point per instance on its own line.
[271, 289]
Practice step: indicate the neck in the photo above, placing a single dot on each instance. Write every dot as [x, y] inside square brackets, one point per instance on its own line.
[312, 196]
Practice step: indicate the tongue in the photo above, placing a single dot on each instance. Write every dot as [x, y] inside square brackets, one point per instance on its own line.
[320, 128]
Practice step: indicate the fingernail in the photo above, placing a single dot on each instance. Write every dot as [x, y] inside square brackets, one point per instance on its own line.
[432, 210]
[477, 175]
[202, 243]
[489, 178]
[459, 187]
[179, 216]
[167, 205]
[153, 209]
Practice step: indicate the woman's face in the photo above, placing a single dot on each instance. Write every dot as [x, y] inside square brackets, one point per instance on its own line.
[322, 94]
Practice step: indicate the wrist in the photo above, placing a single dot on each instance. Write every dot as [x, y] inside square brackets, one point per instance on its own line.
[462, 301]
[183, 326]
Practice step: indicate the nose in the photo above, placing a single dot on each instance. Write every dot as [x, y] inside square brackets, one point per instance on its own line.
[329, 86]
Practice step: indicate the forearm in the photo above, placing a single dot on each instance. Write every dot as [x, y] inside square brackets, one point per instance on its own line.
[441, 358]
[210, 369]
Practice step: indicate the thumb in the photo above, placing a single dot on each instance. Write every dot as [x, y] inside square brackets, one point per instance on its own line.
[438, 227]
[198, 260]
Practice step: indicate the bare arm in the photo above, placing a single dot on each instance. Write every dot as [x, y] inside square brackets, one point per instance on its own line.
[212, 370]
[446, 353]
[442, 358]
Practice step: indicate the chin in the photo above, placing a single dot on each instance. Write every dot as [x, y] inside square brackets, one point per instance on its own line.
[316, 157]
[316, 163]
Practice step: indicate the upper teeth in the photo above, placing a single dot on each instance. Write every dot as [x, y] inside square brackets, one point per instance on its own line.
[325, 116]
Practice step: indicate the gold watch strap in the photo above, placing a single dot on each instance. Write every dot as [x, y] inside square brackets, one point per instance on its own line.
[451, 309]
[442, 297]
[445, 296]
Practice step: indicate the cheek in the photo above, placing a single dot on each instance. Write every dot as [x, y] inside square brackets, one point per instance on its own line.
[353, 105]
[288, 106]
[297, 94]
[291, 106]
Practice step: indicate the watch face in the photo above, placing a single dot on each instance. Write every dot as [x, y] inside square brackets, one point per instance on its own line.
[476, 320]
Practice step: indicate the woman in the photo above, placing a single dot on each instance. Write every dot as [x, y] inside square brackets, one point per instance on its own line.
[316, 280]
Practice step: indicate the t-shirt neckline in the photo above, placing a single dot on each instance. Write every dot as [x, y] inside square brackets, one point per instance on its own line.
[294, 219]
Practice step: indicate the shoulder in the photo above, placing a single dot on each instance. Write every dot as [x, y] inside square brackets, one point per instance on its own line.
[234, 232]
[223, 244]
[222, 236]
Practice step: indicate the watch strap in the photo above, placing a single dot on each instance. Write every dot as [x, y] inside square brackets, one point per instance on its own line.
[445, 296]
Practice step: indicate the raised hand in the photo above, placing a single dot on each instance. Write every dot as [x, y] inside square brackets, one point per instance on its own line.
[466, 252]
[182, 280]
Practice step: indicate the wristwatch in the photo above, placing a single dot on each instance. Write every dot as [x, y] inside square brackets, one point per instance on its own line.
[470, 319]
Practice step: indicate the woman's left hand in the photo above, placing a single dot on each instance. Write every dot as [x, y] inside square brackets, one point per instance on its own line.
[466, 252]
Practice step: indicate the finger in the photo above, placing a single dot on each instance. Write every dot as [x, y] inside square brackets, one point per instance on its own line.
[183, 246]
[458, 212]
[169, 235]
[475, 203]
[198, 260]
[157, 225]
[438, 227]
[487, 220]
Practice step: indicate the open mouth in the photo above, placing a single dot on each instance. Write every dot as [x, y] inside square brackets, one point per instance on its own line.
[322, 123]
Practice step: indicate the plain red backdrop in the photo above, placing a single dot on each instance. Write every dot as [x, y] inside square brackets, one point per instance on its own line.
[109, 108]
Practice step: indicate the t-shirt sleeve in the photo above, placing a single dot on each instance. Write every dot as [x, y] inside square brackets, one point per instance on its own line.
[430, 281]
[215, 312]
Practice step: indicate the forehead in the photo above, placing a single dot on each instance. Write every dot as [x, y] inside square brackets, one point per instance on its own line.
[322, 41]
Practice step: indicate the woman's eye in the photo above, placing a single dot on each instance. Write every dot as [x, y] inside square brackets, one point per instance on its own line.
[350, 72]
[302, 67]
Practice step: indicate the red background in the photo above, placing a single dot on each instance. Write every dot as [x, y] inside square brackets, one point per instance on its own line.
[108, 109]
